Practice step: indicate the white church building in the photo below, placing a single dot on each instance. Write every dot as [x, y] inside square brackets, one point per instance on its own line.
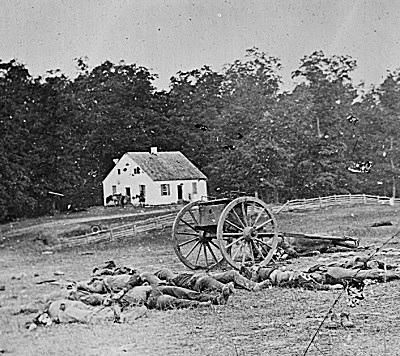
[160, 177]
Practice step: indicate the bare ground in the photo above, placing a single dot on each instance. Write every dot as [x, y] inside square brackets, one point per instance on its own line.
[47, 230]
[271, 322]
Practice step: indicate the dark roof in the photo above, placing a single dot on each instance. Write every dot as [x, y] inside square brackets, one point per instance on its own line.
[166, 166]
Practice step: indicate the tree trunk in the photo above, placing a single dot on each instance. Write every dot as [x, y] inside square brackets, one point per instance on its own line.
[393, 172]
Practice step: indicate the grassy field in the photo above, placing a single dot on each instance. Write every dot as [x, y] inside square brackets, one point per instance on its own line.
[48, 230]
[271, 322]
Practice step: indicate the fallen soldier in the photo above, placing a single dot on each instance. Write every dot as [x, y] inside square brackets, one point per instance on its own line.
[127, 306]
[172, 297]
[361, 262]
[110, 268]
[206, 281]
[70, 311]
[111, 278]
[198, 282]
[169, 297]
[293, 245]
[324, 277]
[110, 283]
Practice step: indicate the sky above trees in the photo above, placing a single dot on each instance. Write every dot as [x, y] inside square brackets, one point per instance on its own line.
[168, 36]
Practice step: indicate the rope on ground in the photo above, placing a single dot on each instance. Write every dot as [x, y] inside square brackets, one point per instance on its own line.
[342, 292]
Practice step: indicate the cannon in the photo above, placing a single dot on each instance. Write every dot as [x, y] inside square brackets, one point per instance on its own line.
[241, 232]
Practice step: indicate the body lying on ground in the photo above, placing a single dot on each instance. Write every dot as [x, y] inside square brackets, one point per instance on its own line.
[205, 281]
[199, 282]
[294, 245]
[327, 276]
[127, 305]
[123, 297]
[116, 296]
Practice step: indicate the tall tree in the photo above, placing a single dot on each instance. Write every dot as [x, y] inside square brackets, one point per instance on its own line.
[17, 95]
[247, 162]
[323, 158]
[381, 108]
[116, 114]
[194, 110]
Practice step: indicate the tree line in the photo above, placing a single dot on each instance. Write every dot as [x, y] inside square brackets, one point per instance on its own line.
[325, 136]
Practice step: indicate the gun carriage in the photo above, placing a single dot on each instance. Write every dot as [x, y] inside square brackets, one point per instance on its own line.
[241, 232]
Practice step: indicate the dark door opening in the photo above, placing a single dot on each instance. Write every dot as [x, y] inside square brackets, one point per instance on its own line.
[180, 192]
[142, 195]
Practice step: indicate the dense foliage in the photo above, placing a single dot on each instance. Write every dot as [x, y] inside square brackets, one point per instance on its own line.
[323, 137]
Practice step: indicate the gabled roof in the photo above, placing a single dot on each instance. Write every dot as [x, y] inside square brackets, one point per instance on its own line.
[166, 166]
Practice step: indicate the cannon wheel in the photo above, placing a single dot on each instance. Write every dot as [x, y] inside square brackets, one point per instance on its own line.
[196, 248]
[247, 233]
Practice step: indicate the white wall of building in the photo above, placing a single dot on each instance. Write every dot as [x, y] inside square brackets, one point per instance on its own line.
[123, 176]
[187, 191]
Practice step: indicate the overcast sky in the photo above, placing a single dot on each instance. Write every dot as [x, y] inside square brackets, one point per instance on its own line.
[168, 36]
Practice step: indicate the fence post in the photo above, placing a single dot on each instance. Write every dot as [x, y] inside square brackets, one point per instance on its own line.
[111, 234]
[134, 230]
[320, 202]
[364, 199]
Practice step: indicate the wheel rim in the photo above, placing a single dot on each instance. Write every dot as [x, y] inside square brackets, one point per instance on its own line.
[196, 248]
[247, 233]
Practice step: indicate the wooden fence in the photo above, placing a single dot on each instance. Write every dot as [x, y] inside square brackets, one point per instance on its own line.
[119, 232]
[164, 221]
[334, 200]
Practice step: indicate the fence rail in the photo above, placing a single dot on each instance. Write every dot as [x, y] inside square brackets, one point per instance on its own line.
[334, 200]
[164, 221]
[119, 232]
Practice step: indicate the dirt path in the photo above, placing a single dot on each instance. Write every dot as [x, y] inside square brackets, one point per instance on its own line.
[14, 230]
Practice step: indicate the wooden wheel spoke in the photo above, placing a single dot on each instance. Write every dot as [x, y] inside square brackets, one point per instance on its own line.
[192, 249]
[244, 214]
[252, 252]
[263, 224]
[215, 264]
[250, 213]
[187, 233]
[234, 225]
[214, 244]
[238, 218]
[259, 250]
[244, 254]
[198, 255]
[258, 217]
[262, 242]
[212, 252]
[186, 223]
[232, 234]
[263, 247]
[205, 253]
[236, 253]
[234, 242]
[187, 242]
[193, 217]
